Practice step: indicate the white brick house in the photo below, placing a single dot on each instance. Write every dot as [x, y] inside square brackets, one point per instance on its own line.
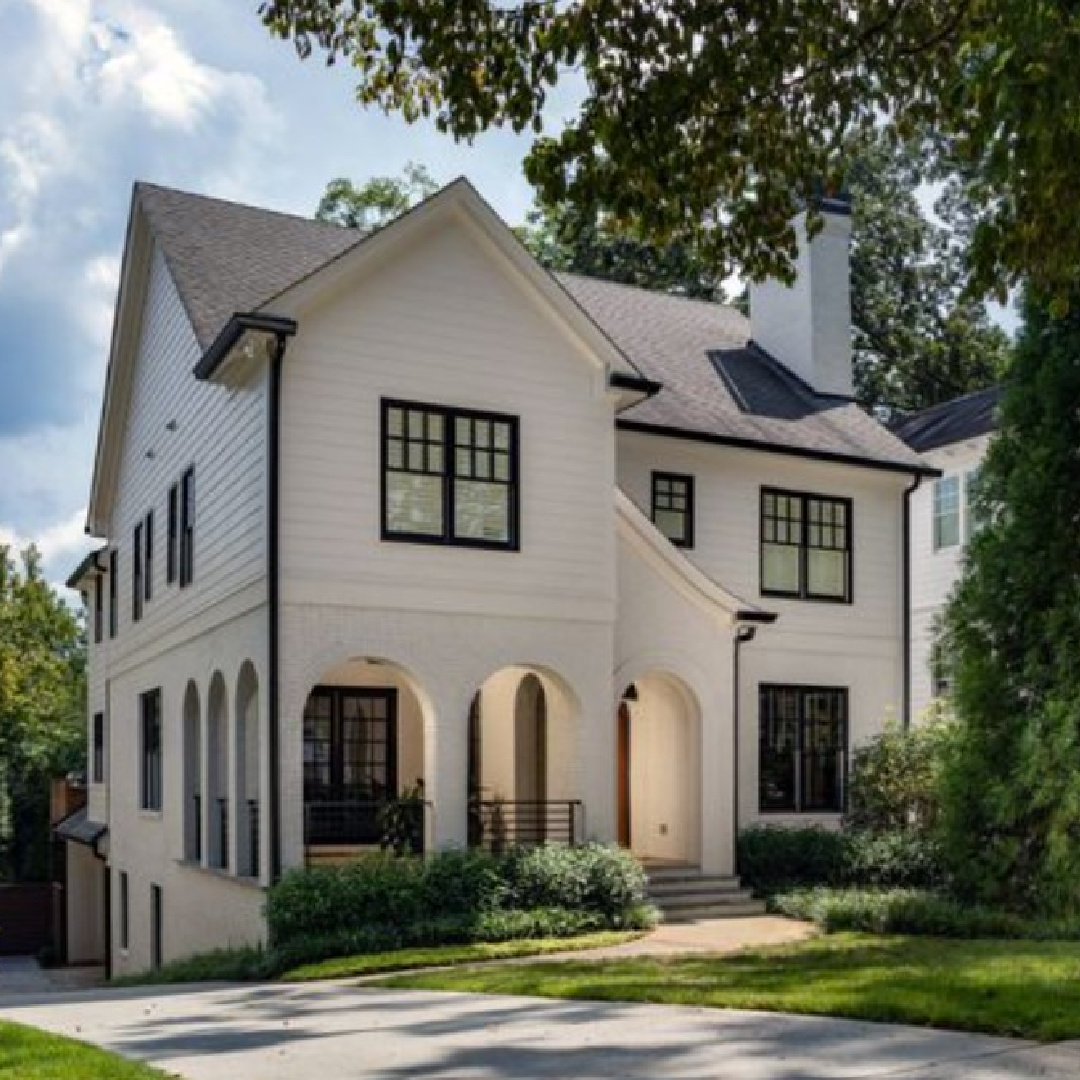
[953, 438]
[409, 508]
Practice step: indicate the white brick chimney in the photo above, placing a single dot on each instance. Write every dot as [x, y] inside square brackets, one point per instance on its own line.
[807, 325]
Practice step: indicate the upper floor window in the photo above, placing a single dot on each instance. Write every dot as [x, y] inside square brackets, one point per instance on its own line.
[946, 512]
[450, 476]
[806, 545]
[137, 573]
[97, 767]
[114, 604]
[172, 540]
[148, 555]
[150, 747]
[99, 609]
[673, 507]
[187, 527]
[974, 517]
[802, 760]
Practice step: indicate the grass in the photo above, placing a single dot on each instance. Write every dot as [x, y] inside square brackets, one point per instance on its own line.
[1020, 988]
[445, 955]
[30, 1054]
[249, 965]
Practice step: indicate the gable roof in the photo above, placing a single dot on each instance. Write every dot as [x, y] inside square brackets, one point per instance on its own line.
[227, 258]
[952, 421]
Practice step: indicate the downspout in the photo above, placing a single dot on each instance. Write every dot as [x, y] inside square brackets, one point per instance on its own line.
[273, 600]
[906, 589]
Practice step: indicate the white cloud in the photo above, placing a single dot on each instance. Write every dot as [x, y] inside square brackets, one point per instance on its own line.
[62, 540]
[97, 298]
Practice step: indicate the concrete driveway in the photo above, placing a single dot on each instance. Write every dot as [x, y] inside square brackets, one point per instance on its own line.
[334, 1031]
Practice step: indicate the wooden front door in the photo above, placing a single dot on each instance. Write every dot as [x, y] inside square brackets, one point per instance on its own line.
[623, 755]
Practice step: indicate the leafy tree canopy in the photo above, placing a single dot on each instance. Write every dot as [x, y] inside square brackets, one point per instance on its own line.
[377, 201]
[42, 718]
[1011, 803]
[710, 123]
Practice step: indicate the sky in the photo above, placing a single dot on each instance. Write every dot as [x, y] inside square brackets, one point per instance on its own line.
[96, 94]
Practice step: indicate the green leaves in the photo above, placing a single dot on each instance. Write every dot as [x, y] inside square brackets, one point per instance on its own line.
[695, 112]
[376, 202]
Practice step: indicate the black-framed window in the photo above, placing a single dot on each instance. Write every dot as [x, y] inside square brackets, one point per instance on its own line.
[172, 539]
[150, 740]
[156, 927]
[806, 546]
[114, 601]
[802, 748]
[99, 609]
[449, 476]
[137, 573]
[124, 914]
[97, 773]
[187, 527]
[673, 507]
[148, 556]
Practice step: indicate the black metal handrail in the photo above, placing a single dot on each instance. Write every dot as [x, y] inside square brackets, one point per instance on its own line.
[501, 823]
[345, 822]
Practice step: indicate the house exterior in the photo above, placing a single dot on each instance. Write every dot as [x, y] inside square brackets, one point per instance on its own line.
[953, 438]
[402, 513]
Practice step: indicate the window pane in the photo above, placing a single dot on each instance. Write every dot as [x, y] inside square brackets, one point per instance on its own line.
[827, 573]
[395, 423]
[395, 454]
[414, 504]
[481, 511]
[780, 568]
[502, 467]
[672, 523]
[778, 748]
[947, 512]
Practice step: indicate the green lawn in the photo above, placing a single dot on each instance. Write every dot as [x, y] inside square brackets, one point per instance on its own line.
[29, 1054]
[1022, 988]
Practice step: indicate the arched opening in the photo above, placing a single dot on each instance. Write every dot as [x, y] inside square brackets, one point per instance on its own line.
[193, 839]
[659, 771]
[521, 787]
[363, 760]
[217, 773]
[248, 848]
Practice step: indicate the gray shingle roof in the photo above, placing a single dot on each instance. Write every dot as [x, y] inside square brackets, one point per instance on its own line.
[227, 258]
[952, 421]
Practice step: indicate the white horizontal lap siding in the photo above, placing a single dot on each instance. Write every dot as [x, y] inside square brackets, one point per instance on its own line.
[934, 573]
[222, 433]
[444, 322]
[859, 645]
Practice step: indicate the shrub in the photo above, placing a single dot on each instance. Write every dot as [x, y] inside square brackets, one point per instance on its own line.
[914, 911]
[772, 858]
[447, 896]
[895, 778]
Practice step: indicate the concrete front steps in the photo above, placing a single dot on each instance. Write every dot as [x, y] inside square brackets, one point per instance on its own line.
[688, 894]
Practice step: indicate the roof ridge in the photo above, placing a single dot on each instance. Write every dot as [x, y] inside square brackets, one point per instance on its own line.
[141, 185]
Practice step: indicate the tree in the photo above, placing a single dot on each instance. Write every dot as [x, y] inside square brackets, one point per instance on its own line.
[1010, 804]
[377, 201]
[42, 720]
[697, 114]
[562, 238]
[918, 338]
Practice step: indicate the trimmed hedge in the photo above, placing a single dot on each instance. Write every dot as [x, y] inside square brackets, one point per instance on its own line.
[457, 896]
[773, 858]
[914, 911]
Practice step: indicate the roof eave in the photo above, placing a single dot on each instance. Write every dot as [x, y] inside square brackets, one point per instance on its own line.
[240, 324]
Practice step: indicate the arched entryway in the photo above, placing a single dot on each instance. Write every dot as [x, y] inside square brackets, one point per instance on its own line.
[363, 753]
[217, 773]
[521, 732]
[248, 805]
[658, 734]
[193, 838]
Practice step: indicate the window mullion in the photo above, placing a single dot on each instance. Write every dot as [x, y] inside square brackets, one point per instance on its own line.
[449, 473]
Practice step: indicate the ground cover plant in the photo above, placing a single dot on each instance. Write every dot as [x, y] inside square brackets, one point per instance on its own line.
[30, 1054]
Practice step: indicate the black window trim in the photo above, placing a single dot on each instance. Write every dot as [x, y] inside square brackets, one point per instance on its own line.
[124, 914]
[687, 541]
[151, 765]
[803, 593]
[137, 572]
[99, 608]
[98, 738]
[803, 689]
[172, 538]
[114, 593]
[148, 556]
[188, 517]
[449, 414]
